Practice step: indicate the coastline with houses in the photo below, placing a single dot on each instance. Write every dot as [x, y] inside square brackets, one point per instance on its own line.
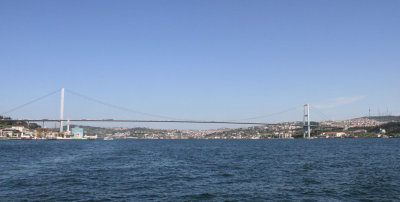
[354, 128]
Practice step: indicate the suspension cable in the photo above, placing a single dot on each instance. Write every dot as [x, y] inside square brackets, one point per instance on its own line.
[325, 116]
[119, 107]
[269, 115]
[30, 102]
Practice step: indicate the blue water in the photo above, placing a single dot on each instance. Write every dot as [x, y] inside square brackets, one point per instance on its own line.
[212, 170]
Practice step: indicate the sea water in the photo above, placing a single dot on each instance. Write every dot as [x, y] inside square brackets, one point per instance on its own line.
[211, 170]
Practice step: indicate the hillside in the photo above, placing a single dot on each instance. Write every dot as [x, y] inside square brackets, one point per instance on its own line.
[139, 132]
[5, 122]
[384, 118]
[392, 128]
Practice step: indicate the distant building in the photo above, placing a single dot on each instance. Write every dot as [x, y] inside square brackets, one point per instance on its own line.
[19, 128]
[333, 135]
[77, 132]
[11, 133]
[360, 131]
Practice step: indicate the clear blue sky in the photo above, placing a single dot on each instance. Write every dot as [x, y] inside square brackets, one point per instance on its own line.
[207, 60]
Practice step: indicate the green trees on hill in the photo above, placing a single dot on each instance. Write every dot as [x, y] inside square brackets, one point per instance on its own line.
[384, 118]
[6, 122]
[392, 129]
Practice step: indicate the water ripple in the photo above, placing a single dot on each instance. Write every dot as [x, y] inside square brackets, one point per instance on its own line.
[209, 170]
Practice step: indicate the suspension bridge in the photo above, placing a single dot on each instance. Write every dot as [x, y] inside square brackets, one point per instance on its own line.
[164, 119]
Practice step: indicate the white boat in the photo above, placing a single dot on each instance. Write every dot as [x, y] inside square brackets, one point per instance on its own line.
[90, 137]
[108, 138]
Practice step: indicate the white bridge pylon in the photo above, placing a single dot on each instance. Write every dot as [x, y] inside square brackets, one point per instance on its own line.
[61, 110]
[306, 121]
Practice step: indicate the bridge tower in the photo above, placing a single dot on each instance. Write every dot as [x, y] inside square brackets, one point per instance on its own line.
[61, 110]
[306, 121]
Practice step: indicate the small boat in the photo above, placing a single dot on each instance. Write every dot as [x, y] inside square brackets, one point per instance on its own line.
[108, 138]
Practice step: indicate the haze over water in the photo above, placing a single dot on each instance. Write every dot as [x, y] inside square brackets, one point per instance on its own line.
[179, 170]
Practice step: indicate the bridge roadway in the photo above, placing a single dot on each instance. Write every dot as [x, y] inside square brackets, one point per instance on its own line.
[138, 121]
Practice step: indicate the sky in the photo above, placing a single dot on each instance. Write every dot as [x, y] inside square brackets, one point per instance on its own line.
[201, 60]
